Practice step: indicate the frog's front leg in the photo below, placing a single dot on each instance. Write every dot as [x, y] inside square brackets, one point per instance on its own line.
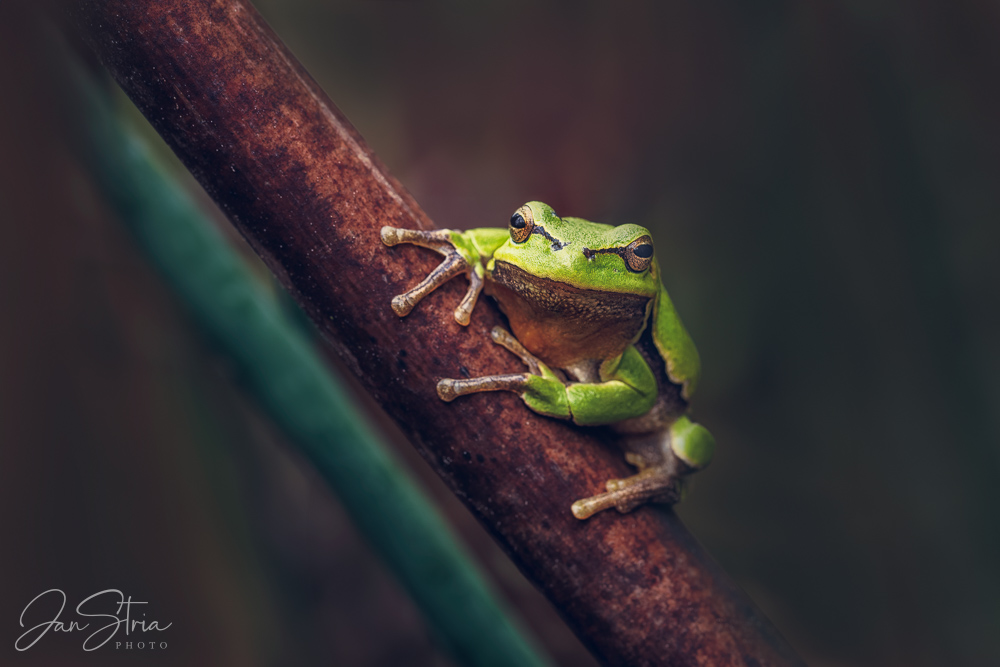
[627, 388]
[464, 252]
[541, 389]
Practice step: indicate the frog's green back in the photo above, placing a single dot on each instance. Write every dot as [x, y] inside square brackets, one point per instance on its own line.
[675, 344]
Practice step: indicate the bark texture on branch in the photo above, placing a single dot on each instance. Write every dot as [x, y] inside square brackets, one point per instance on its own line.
[299, 183]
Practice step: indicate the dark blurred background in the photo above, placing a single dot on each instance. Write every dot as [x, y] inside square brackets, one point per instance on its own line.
[821, 181]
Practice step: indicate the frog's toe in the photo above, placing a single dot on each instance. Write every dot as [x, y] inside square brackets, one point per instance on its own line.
[403, 304]
[463, 314]
[650, 485]
[446, 390]
[615, 484]
[435, 239]
[449, 389]
[452, 265]
[506, 340]
[390, 235]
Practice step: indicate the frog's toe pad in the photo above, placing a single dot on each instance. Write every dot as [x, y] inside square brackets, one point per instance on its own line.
[390, 236]
[615, 484]
[447, 390]
[403, 304]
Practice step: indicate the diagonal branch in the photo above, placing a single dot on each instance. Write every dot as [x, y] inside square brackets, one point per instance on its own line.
[300, 184]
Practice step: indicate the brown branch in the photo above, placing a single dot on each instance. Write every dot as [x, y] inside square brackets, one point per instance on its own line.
[299, 183]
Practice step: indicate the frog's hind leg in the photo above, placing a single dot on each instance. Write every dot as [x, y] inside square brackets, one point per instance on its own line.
[664, 460]
[658, 479]
[654, 484]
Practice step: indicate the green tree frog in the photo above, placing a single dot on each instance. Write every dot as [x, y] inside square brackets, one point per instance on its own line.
[594, 326]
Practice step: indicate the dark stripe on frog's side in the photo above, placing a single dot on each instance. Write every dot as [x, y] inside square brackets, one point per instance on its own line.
[562, 324]
[670, 404]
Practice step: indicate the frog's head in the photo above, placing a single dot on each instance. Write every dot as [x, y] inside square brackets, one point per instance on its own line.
[586, 255]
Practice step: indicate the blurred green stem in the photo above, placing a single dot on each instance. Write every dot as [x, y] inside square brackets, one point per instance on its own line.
[291, 381]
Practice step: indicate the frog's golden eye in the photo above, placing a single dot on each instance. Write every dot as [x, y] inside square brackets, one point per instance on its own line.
[638, 254]
[522, 223]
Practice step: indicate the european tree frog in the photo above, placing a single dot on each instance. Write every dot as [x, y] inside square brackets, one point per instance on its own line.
[592, 322]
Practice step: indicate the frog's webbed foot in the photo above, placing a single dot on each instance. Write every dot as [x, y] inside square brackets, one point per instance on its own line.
[449, 389]
[664, 460]
[541, 389]
[659, 484]
[454, 263]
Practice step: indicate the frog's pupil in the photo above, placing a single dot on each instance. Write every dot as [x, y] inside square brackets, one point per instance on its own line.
[645, 251]
[517, 221]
